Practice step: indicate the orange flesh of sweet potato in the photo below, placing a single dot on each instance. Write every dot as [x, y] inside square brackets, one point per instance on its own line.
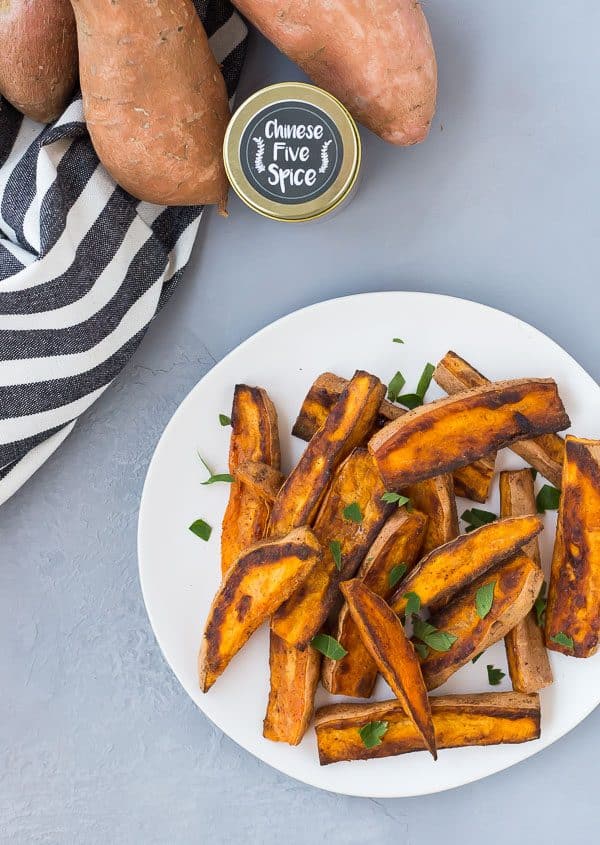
[261, 479]
[473, 481]
[357, 481]
[446, 571]
[545, 453]
[254, 437]
[383, 634]
[294, 679]
[435, 498]
[398, 542]
[526, 654]
[458, 721]
[573, 605]
[251, 591]
[453, 432]
[517, 584]
[345, 428]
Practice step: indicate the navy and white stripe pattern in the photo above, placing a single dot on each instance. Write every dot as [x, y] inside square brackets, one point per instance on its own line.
[84, 268]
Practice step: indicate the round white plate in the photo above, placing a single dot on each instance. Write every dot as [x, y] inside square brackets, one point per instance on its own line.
[180, 573]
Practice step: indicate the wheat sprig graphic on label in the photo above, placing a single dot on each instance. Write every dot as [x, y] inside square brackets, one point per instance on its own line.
[260, 154]
[324, 157]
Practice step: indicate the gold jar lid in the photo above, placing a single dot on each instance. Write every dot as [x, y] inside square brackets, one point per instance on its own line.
[292, 152]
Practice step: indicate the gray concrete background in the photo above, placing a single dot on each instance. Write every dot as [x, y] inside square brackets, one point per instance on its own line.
[99, 744]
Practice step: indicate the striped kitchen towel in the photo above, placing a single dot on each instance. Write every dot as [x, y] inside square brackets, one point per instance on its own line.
[84, 268]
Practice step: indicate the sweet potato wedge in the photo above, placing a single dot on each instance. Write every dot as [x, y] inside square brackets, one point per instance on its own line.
[446, 571]
[453, 432]
[254, 437]
[345, 428]
[458, 720]
[545, 453]
[251, 591]
[383, 634]
[357, 482]
[526, 654]
[573, 608]
[262, 479]
[473, 481]
[435, 498]
[517, 584]
[294, 679]
[398, 543]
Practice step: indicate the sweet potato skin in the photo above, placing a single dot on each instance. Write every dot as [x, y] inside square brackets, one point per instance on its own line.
[383, 634]
[574, 592]
[475, 480]
[545, 453]
[445, 572]
[385, 75]
[254, 437]
[458, 720]
[345, 428]
[38, 64]
[526, 654]
[294, 679]
[453, 432]
[251, 591]
[517, 584]
[435, 498]
[261, 479]
[154, 99]
[356, 481]
[399, 541]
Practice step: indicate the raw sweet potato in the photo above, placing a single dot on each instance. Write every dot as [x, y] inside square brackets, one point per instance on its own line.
[154, 99]
[356, 484]
[262, 479]
[254, 437]
[251, 591]
[346, 427]
[545, 453]
[526, 654]
[377, 58]
[455, 431]
[573, 608]
[516, 586]
[447, 571]
[383, 634]
[38, 63]
[294, 679]
[435, 498]
[458, 720]
[397, 545]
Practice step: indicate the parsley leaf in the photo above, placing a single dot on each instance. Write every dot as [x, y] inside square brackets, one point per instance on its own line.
[224, 419]
[413, 400]
[372, 733]
[397, 340]
[395, 386]
[328, 646]
[484, 599]
[547, 499]
[540, 606]
[212, 479]
[353, 513]
[563, 640]
[494, 675]
[476, 658]
[534, 473]
[410, 401]
[335, 547]
[201, 529]
[476, 517]
[413, 603]
[397, 573]
[421, 650]
[427, 633]
[392, 498]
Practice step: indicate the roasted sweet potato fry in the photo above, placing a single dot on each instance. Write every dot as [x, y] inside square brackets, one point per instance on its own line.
[472, 481]
[446, 571]
[573, 609]
[261, 479]
[294, 679]
[345, 428]
[254, 437]
[453, 432]
[397, 545]
[435, 498]
[526, 654]
[458, 721]
[516, 586]
[544, 453]
[251, 591]
[356, 484]
[383, 634]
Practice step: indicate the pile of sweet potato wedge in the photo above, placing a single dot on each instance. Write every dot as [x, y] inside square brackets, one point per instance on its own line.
[356, 559]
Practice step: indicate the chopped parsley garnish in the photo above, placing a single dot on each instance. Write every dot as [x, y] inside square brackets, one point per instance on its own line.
[335, 547]
[413, 603]
[476, 517]
[353, 513]
[372, 733]
[395, 386]
[494, 675]
[484, 599]
[540, 606]
[224, 419]
[397, 573]
[201, 529]
[563, 640]
[547, 499]
[328, 646]
[392, 498]
[213, 479]
[413, 400]
[431, 636]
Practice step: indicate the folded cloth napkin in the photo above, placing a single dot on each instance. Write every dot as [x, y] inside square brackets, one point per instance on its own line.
[84, 267]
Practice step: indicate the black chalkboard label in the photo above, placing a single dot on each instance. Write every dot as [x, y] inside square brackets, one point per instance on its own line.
[291, 152]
